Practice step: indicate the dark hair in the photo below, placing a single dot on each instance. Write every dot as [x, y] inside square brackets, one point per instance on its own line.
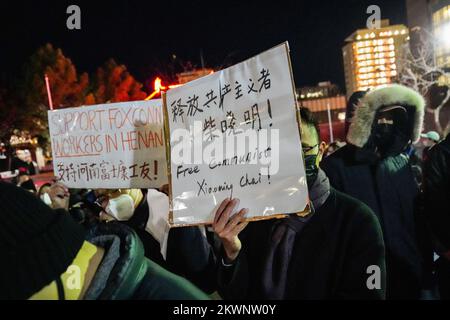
[28, 185]
[308, 118]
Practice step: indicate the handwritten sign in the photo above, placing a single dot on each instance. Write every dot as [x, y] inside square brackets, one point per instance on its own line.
[117, 145]
[235, 134]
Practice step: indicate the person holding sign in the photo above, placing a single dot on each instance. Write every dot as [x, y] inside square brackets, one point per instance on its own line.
[337, 252]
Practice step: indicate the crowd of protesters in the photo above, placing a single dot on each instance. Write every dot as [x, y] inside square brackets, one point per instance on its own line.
[375, 229]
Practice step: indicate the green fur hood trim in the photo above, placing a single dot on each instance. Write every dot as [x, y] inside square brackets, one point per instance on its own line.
[384, 96]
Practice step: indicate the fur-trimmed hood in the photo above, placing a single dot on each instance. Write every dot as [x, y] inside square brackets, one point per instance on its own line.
[384, 96]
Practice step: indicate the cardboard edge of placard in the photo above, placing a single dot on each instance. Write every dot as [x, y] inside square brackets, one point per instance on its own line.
[168, 155]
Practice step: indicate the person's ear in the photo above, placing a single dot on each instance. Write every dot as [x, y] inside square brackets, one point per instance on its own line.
[322, 148]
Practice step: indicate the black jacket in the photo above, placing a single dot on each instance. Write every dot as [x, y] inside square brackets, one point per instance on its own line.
[329, 260]
[388, 187]
[16, 163]
[437, 192]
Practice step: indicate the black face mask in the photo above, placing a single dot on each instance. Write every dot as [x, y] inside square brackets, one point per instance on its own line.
[389, 140]
[384, 131]
[311, 169]
[384, 136]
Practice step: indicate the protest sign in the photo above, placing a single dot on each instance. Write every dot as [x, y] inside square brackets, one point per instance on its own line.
[116, 145]
[235, 134]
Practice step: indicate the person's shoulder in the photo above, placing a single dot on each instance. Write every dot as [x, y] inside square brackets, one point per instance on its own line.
[355, 209]
[341, 152]
[361, 223]
[340, 156]
[351, 202]
[441, 149]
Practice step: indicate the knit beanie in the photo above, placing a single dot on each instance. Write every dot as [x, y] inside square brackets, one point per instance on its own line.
[37, 244]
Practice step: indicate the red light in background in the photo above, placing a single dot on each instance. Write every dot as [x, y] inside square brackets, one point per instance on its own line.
[158, 87]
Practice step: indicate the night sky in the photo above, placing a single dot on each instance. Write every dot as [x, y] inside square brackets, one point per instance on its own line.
[144, 35]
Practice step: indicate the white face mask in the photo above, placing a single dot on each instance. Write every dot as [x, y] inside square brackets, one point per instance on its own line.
[46, 199]
[121, 208]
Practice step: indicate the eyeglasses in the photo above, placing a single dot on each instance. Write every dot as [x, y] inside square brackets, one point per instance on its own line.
[309, 148]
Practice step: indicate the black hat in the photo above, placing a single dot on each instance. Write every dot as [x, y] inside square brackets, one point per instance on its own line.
[37, 244]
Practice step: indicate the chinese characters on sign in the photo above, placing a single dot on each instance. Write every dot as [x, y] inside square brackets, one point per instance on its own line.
[119, 145]
[105, 171]
[234, 134]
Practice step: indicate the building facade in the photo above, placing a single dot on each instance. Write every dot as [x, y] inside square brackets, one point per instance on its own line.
[372, 56]
[441, 28]
[431, 17]
[328, 104]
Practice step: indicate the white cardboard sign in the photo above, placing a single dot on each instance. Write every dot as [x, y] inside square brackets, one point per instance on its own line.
[116, 145]
[253, 98]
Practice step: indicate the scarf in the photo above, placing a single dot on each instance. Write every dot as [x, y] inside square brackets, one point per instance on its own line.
[282, 239]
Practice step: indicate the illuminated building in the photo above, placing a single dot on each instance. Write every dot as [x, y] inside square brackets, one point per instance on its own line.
[322, 90]
[371, 56]
[432, 16]
[441, 30]
[328, 104]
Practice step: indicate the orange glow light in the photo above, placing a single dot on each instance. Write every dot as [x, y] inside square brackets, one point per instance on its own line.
[158, 87]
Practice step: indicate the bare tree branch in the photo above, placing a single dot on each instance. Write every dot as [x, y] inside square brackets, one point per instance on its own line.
[420, 72]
